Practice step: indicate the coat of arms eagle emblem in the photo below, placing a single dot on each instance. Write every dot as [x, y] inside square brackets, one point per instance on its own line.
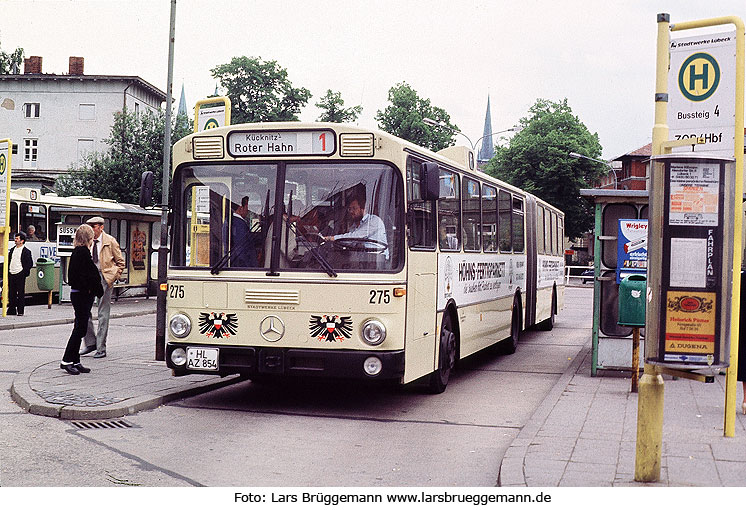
[331, 328]
[218, 324]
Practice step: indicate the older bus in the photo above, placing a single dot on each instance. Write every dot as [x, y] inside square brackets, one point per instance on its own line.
[131, 226]
[330, 250]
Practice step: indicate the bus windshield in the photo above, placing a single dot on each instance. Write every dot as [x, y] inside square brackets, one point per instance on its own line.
[333, 217]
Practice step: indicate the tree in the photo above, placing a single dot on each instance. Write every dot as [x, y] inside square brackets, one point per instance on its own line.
[334, 110]
[403, 118]
[260, 91]
[10, 63]
[135, 145]
[537, 160]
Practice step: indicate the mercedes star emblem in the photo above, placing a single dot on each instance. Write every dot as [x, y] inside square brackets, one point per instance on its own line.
[272, 328]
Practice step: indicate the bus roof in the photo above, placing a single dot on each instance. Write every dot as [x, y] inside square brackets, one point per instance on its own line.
[456, 157]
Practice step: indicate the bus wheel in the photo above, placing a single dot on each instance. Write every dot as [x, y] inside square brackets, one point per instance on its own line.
[447, 357]
[511, 344]
[548, 324]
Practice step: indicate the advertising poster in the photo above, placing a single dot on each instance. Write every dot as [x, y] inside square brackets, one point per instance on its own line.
[4, 180]
[690, 326]
[632, 248]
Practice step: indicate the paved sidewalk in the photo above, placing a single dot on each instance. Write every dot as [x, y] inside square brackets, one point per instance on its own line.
[123, 383]
[584, 434]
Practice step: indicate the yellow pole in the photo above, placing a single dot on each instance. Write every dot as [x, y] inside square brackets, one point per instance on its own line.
[650, 398]
[649, 426]
[731, 384]
[6, 229]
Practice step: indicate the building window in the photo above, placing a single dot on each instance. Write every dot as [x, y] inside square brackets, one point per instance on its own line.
[31, 110]
[87, 112]
[85, 147]
[137, 109]
[30, 146]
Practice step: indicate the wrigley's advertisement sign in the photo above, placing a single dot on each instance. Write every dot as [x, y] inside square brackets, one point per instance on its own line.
[701, 101]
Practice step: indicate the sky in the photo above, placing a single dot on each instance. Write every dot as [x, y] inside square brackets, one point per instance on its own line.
[599, 55]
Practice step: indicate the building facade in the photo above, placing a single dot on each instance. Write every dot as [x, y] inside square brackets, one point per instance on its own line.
[55, 120]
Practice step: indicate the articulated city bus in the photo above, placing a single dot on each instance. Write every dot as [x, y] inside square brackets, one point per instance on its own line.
[302, 249]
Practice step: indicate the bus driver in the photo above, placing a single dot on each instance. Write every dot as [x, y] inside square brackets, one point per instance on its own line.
[363, 226]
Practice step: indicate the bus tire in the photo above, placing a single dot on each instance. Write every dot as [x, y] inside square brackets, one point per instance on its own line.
[447, 356]
[510, 345]
[548, 324]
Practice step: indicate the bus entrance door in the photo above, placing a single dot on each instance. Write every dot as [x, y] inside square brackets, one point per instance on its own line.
[421, 316]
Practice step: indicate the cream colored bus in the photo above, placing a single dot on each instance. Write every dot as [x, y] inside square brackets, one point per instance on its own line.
[329, 250]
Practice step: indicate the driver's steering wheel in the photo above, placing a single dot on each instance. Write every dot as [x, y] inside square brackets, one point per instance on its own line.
[351, 243]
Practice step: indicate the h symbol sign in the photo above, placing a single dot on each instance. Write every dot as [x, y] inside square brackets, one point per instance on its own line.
[694, 77]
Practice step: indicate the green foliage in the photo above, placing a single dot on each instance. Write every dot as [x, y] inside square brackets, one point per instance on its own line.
[260, 91]
[10, 60]
[334, 110]
[135, 145]
[403, 118]
[537, 160]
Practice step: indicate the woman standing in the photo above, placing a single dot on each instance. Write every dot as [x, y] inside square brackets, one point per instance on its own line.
[85, 283]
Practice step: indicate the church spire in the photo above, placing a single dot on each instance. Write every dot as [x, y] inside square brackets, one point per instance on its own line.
[182, 103]
[487, 150]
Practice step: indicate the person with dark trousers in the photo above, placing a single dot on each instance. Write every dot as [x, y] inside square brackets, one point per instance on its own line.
[19, 268]
[85, 285]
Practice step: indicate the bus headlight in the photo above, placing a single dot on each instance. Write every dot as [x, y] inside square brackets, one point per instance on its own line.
[178, 357]
[180, 325]
[372, 366]
[374, 332]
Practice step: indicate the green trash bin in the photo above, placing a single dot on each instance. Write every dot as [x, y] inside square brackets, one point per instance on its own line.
[632, 300]
[45, 273]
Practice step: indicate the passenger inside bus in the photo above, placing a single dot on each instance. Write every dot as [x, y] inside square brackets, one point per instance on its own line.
[242, 242]
[31, 234]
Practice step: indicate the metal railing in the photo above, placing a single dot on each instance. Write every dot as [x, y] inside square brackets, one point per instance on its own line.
[583, 278]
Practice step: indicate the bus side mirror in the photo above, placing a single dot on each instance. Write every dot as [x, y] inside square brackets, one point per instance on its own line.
[146, 189]
[432, 181]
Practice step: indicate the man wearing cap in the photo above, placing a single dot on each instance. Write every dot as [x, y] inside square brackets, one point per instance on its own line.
[108, 258]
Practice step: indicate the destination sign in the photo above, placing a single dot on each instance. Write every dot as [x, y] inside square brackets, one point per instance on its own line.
[281, 143]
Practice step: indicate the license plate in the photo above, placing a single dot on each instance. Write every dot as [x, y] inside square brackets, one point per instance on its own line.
[202, 358]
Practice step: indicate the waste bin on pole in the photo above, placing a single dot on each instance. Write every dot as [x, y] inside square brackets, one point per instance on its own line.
[632, 292]
[45, 277]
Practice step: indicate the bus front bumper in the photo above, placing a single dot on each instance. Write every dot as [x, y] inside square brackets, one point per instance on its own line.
[250, 361]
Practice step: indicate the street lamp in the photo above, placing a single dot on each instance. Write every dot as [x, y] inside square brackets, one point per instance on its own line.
[436, 123]
[613, 170]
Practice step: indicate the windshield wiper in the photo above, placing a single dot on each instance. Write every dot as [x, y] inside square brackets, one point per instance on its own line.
[220, 264]
[325, 265]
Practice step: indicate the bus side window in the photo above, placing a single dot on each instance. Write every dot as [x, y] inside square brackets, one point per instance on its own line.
[519, 241]
[13, 217]
[34, 215]
[489, 218]
[449, 212]
[421, 215]
[504, 205]
[472, 230]
[55, 216]
[540, 230]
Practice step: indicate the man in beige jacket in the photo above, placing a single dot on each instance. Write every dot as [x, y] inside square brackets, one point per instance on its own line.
[108, 258]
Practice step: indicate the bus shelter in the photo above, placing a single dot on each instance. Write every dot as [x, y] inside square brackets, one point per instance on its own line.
[612, 343]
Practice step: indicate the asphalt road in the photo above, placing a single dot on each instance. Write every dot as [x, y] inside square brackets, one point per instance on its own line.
[313, 433]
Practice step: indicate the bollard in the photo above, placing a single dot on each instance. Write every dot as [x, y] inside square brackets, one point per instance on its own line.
[635, 358]
[649, 426]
